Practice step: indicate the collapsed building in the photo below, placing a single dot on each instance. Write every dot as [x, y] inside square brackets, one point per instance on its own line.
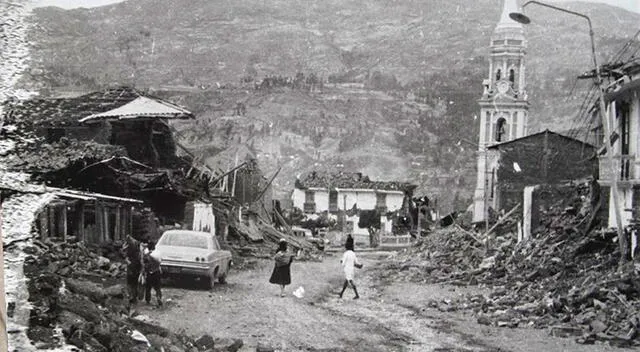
[79, 174]
[351, 197]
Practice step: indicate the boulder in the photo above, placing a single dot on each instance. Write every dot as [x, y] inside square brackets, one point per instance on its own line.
[205, 342]
[86, 342]
[69, 320]
[103, 263]
[116, 291]
[94, 291]
[227, 345]
[264, 348]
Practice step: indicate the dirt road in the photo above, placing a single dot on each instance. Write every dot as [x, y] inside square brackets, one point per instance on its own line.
[386, 318]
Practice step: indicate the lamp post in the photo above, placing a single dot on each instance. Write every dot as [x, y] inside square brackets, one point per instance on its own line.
[520, 17]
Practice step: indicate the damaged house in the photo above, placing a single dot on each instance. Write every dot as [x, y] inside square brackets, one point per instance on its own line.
[622, 100]
[116, 142]
[348, 194]
[518, 168]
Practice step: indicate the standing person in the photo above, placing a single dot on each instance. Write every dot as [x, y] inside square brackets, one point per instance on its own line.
[153, 272]
[282, 270]
[133, 255]
[349, 263]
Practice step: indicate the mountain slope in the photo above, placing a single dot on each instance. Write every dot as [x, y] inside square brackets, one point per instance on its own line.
[436, 50]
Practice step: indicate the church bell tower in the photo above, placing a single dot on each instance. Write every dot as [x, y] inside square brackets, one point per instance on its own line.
[503, 105]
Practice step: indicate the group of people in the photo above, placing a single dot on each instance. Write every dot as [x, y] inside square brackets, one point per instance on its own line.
[144, 272]
[282, 270]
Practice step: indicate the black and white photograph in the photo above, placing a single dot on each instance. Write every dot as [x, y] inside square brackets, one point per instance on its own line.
[319, 175]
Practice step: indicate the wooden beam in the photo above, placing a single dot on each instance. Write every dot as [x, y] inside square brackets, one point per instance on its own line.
[80, 222]
[99, 227]
[43, 218]
[63, 222]
[118, 227]
[268, 184]
[105, 211]
[51, 213]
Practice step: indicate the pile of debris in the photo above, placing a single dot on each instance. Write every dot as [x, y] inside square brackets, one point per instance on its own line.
[565, 277]
[74, 259]
[260, 239]
[79, 298]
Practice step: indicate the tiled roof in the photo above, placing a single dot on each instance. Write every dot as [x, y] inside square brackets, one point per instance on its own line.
[354, 180]
[39, 158]
[68, 111]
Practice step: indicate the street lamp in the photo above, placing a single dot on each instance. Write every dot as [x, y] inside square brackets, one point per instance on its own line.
[520, 17]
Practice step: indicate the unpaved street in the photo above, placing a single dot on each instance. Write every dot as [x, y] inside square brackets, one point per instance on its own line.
[387, 318]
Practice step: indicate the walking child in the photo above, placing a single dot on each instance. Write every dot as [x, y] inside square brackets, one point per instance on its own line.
[349, 263]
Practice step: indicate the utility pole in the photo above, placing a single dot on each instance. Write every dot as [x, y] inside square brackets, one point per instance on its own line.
[4, 346]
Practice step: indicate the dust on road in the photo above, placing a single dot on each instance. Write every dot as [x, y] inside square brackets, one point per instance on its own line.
[386, 318]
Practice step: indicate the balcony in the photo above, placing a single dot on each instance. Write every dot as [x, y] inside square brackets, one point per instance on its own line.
[624, 166]
[309, 207]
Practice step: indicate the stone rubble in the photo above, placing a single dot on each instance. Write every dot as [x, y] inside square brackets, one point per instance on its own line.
[566, 278]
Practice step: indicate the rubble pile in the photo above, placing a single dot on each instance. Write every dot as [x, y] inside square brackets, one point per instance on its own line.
[565, 278]
[264, 242]
[343, 179]
[76, 259]
[76, 300]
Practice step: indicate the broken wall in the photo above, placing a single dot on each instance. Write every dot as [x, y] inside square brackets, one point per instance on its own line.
[543, 159]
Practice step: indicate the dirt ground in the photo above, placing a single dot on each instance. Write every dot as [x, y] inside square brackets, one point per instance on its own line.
[388, 317]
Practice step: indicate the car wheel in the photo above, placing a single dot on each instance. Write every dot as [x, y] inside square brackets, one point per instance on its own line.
[210, 281]
[223, 278]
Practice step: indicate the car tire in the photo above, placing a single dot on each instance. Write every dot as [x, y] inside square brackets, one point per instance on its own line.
[223, 278]
[210, 281]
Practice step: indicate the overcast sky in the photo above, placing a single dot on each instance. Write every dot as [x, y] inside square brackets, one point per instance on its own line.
[632, 5]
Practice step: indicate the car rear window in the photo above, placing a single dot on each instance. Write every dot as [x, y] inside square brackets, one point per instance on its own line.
[184, 239]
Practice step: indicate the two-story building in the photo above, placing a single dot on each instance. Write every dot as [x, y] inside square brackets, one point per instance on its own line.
[622, 100]
[319, 192]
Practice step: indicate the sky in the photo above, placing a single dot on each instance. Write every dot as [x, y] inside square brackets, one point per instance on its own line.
[631, 5]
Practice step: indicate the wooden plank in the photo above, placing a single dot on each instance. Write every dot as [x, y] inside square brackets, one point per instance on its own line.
[63, 222]
[105, 218]
[117, 236]
[51, 213]
[97, 237]
[80, 222]
[43, 218]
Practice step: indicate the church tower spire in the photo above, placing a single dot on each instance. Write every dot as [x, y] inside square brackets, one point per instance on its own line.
[503, 104]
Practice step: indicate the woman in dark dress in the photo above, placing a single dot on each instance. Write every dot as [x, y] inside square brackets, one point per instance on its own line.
[281, 271]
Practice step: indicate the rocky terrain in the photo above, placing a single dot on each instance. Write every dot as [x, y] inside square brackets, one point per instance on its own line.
[405, 73]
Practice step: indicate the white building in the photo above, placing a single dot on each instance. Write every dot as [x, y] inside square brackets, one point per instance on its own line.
[333, 193]
[622, 101]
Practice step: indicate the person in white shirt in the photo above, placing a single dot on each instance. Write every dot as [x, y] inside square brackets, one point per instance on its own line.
[349, 263]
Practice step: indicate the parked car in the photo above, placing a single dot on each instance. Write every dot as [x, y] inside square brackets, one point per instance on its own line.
[186, 253]
[320, 242]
